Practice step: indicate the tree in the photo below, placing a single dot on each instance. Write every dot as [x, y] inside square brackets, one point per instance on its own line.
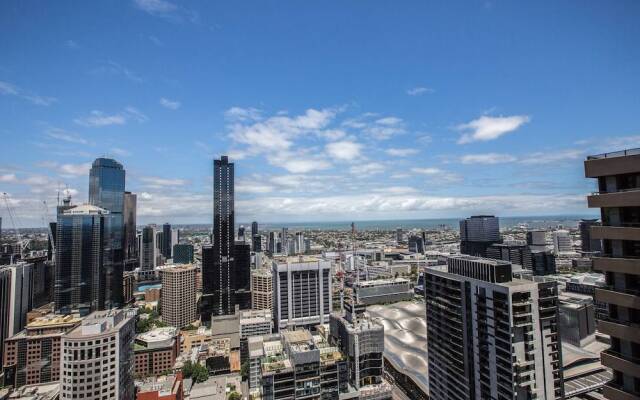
[244, 370]
[199, 373]
[235, 396]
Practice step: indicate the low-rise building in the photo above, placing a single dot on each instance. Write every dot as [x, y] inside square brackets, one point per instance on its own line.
[383, 291]
[156, 351]
[169, 387]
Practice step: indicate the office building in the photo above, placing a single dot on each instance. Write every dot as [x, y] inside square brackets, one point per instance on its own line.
[97, 358]
[130, 211]
[106, 191]
[166, 245]
[253, 323]
[361, 340]
[416, 244]
[242, 281]
[399, 236]
[182, 253]
[148, 252]
[241, 233]
[81, 241]
[254, 228]
[618, 197]
[490, 335]
[543, 262]
[383, 291]
[218, 263]
[589, 245]
[477, 233]
[284, 241]
[155, 352]
[178, 296]
[537, 240]
[128, 286]
[302, 291]
[33, 355]
[257, 243]
[261, 289]
[16, 283]
[515, 253]
[562, 242]
[273, 242]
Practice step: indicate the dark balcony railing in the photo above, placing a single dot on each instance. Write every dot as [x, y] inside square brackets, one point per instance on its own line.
[621, 153]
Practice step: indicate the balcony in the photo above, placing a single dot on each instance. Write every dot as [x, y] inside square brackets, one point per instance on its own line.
[618, 297]
[623, 198]
[612, 392]
[619, 329]
[618, 362]
[615, 232]
[621, 162]
[621, 265]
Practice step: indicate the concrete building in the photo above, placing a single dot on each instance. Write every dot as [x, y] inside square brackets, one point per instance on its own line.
[156, 351]
[302, 287]
[562, 242]
[577, 319]
[262, 289]
[543, 262]
[490, 335]
[33, 355]
[255, 323]
[16, 283]
[97, 358]
[515, 253]
[618, 197]
[383, 291]
[169, 387]
[178, 297]
[477, 233]
[537, 240]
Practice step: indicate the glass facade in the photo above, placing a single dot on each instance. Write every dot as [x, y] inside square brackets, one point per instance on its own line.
[106, 190]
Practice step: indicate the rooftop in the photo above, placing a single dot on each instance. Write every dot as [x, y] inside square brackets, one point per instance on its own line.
[85, 209]
[621, 153]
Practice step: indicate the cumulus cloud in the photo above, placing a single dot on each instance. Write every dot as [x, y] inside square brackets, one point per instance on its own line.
[8, 178]
[401, 152]
[298, 162]
[345, 150]
[488, 128]
[437, 175]
[243, 114]
[364, 169]
[9, 89]
[170, 104]
[487, 158]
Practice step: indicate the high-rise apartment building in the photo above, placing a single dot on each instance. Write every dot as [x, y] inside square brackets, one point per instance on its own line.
[618, 197]
[515, 253]
[257, 243]
[261, 289]
[300, 248]
[106, 190]
[562, 242]
[178, 297]
[148, 252]
[97, 358]
[302, 291]
[81, 241]
[242, 281]
[477, 233]
[33, 355]
[130, 212]
[16, 283]
[490, 335]
[218, 261]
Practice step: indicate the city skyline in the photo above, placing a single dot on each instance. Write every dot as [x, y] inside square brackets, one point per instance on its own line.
[471, 121]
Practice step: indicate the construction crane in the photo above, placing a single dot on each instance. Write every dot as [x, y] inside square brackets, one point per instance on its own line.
[12, 217]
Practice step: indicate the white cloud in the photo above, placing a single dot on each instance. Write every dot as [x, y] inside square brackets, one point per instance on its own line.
[487, 158]
[427, 171]
[420, 90]
[170, 104]
[345, 150]
[75, 169]
[396, 190]
[112, 68]
[549, 157]
[9, 89]
[366, 169]
[437, 175]
[401, 152]
[155, 7]
[298, 162]
[385, 128]
[243, 114]
[8, 178]
[61, 134]
[97, 118]
[252, 187]
[120, 152]
[488, 128]
[157, 182]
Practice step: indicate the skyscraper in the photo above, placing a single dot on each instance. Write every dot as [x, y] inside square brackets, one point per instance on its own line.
[130, 231]
[491, 336]
[242, 287]
[284, 240]
[106, 190]
[179, 295]
[589, 245]
[81, 241]
[16, 284]
[562, 242]
[477, 233]
[148, 252]
[166, 240]
[618, 197]
[254, 228]
[218, 261]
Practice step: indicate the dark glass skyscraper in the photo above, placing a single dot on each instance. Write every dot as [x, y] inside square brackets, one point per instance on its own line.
[80, 248]
[166, 240]
[218, 261]
[130, 230]
[106, 190]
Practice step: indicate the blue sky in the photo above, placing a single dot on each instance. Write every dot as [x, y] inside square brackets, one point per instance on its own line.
[331, 110]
